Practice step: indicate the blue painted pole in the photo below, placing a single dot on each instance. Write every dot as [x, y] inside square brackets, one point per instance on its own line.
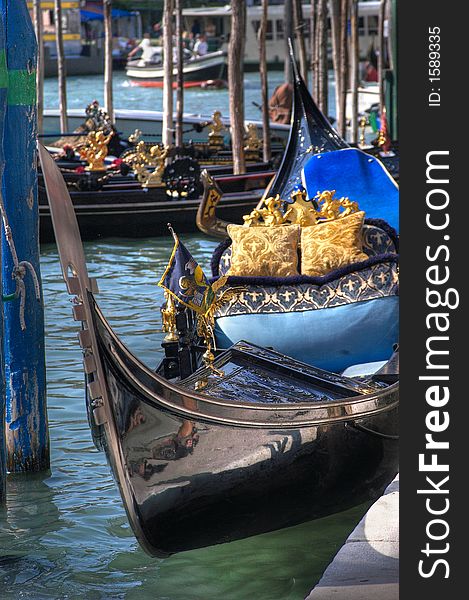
[3, 96]
[27, 438]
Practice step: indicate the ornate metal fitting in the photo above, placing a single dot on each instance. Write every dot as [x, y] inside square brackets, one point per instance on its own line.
[362, 125]
[206, 324]
[95, 150]
[148, 163]
[253, 144]
[270, 215]
[135, 136]
[273, 211]
[168, 315]
[215, 136]
[331, 208]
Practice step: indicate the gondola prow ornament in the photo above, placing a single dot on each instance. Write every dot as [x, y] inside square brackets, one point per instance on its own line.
[185, 281]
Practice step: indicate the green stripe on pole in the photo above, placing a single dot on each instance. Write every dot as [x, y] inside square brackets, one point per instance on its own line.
[21, 88]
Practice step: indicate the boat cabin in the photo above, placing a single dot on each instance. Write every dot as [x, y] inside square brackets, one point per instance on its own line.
[215, 23]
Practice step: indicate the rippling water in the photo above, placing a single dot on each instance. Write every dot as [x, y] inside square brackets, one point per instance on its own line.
[64, 534]
[83, 90]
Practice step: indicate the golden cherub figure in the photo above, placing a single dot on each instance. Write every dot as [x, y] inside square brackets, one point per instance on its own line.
[155, 158]
[331, 208]
[215, 136]
[95, 150]
[253, 143]
[270, 215]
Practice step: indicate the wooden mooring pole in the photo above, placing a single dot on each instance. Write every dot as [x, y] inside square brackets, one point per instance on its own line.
[38, 28]
[299, 24]
[27, 439]
[322, 73]
[180, 77]
[264, 83]
[61, 66]
[354, 69]
[343, 69]
[287, 34]
[167, 125]
[235, 83]
[108, 91]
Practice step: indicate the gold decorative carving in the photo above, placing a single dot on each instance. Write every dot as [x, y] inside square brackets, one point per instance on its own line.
[95, 150]
[362, 125]
[206, 324]
[331, 208]
[168, 315]
[253, 144]
[215, 137]
[148, 163]
[274, 211]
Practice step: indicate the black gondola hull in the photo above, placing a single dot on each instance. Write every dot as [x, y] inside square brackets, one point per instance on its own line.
[237, 481]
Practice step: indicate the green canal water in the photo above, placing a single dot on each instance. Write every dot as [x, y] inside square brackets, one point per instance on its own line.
[64, 534]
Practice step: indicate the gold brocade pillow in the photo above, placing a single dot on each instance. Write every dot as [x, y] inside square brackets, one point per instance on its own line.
[264, 251]
[332, 244]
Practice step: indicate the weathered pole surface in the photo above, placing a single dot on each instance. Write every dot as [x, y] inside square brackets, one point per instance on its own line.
[108, 92]
[235, 83]
[167, 125]
[180, 77]
[288, 34]
[343, 70]
[354, 68]
[322, 59]
[38, 28]
[312, 48]
[300, 37]
[27, 437]
[381, 51]
[3, 99]
[264, 83]
[61, 66]
[334, 13]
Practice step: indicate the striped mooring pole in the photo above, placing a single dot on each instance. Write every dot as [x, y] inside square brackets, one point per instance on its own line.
[26, 431]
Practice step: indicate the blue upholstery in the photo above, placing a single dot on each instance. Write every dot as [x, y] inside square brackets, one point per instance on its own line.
[329, 338]
[360, 177]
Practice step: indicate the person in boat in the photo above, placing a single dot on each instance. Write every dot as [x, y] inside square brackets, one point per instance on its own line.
[146, 47]
[201, 45]
[157, 31]
[280, 103]
[195, 29]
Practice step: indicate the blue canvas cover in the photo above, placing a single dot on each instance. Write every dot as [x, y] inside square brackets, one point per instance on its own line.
[357, 175]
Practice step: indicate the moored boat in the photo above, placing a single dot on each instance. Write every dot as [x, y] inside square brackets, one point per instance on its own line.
[271, 441]
[196, 69]
[122, 207]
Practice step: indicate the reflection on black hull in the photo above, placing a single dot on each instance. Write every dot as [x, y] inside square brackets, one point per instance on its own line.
[237, 480]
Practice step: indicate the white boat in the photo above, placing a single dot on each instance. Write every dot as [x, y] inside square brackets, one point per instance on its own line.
[197, 69]
[215, 22]
[149, 122]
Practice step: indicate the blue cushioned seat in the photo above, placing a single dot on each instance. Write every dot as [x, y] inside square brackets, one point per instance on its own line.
[358, 176]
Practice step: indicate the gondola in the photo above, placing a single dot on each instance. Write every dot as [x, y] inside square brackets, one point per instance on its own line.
[121, 207]
[268, 441]
[351, 309]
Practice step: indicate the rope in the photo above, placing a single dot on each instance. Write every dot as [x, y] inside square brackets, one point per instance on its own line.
[19, 270]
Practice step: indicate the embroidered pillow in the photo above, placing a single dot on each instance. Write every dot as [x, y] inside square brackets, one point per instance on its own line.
[332, 244]
[264, 251]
